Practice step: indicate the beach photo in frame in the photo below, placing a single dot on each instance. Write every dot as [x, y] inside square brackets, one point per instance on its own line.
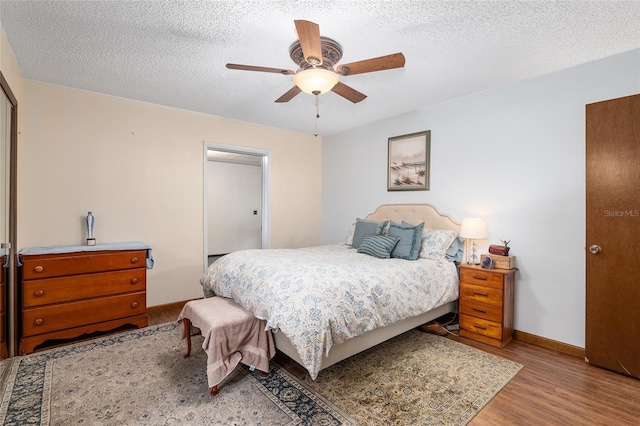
[408, 164]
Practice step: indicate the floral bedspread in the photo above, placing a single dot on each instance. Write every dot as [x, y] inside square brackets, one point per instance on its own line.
[321, 296]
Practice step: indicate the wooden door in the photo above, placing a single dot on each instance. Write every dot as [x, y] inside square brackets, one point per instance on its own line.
[613, 235]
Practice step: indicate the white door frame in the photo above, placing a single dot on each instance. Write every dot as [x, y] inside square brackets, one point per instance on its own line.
[265, 235]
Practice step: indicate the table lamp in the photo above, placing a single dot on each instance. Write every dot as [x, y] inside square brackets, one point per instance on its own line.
[473, 228]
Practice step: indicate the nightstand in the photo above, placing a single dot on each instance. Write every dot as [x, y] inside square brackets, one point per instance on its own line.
[486, 304]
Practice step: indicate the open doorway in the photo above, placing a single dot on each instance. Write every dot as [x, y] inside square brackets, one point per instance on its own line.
[236, 182]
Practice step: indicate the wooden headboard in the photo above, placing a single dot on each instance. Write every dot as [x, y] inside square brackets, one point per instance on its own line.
[415, 214]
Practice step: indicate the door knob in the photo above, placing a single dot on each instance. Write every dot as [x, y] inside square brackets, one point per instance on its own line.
[595, 249]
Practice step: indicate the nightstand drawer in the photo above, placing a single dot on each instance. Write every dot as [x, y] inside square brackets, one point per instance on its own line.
[480, 293]
[481, 277]
[481, 326]
[481, 310]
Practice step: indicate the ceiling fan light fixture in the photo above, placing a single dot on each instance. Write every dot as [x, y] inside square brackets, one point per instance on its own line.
[315, 80]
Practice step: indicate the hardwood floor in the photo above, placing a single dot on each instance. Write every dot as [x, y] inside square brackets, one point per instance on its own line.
[558, 389]
[552, 388]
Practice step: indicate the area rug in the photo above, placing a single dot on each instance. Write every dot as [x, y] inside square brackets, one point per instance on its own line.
[415, 378]
[141, 378]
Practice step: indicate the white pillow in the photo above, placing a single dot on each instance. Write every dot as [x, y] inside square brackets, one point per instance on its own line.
[435, 243]
[352, 231]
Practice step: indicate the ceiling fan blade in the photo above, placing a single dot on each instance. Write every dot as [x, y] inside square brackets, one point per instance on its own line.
[348, 93]
[262, 69]
[309, 36]
[289, 95]
[395, 60]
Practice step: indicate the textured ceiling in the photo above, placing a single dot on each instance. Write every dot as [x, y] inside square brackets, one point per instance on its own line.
[174, 52]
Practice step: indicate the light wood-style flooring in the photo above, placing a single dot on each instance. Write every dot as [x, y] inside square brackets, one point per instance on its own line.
[552, 388]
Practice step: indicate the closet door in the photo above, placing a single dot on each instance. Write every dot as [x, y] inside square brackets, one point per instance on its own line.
[613, 232]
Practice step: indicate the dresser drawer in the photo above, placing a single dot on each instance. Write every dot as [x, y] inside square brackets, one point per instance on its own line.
[63, 264]
[480, 293]
[481, 277]
[78, 287]
[481, 310]
[481, 326]
[59, 317]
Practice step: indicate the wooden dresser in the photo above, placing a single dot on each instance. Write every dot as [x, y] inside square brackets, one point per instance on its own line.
[65, 295]
[486, 304]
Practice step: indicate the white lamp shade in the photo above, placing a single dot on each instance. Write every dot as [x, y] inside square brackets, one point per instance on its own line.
[474, 228]
[315, 80]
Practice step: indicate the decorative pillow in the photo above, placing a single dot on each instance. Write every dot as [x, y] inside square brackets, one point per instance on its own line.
[455, 250]
[349, 240]
[409, 245]
[378, 245]
[435, 243]
[364, 227]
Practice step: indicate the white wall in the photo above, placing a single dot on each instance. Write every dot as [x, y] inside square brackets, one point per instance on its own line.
[234, 192]
[514, 155]
[139, 168]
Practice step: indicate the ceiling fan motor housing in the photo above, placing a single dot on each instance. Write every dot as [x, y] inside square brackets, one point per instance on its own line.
[331, 54]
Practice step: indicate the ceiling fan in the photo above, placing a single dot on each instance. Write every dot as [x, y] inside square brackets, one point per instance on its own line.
[316, 58]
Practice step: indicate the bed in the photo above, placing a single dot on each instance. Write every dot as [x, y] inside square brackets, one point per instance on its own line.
[327, 303]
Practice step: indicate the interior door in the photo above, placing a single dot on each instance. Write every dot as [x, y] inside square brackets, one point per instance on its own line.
[234, 204]
[7, 120]
[612, 235]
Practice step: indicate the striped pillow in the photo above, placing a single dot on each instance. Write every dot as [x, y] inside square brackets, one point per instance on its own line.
[378, 245]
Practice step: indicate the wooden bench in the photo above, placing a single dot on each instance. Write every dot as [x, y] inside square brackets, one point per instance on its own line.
[231, 335]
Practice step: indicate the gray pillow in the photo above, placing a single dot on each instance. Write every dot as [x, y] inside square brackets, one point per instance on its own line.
[365, 227]
[378, 245]
[409, 245]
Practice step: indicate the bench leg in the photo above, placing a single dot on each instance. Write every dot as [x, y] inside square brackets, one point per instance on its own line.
[186, 323]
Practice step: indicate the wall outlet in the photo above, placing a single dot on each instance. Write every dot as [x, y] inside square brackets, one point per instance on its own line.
[451, 327]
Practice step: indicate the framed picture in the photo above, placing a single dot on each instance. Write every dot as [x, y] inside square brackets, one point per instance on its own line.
[408, 166]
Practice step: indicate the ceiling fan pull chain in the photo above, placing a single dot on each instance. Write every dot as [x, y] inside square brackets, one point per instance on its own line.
[317, 114]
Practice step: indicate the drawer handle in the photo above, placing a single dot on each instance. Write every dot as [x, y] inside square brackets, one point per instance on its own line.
[480, 277]
[39, 268]
[481, 327]
[134, 280]
[38, 322]
[134, 260]
[38, 293]
[479, 293]
[484, 311]
[134, 305]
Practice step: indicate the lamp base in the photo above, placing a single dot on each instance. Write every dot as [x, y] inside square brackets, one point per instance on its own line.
[473, 257]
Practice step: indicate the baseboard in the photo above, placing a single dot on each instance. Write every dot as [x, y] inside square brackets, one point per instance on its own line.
[168, 307]
[549, 344]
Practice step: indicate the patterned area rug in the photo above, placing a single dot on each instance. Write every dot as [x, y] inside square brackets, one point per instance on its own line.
[140, 378]
[415, 378]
